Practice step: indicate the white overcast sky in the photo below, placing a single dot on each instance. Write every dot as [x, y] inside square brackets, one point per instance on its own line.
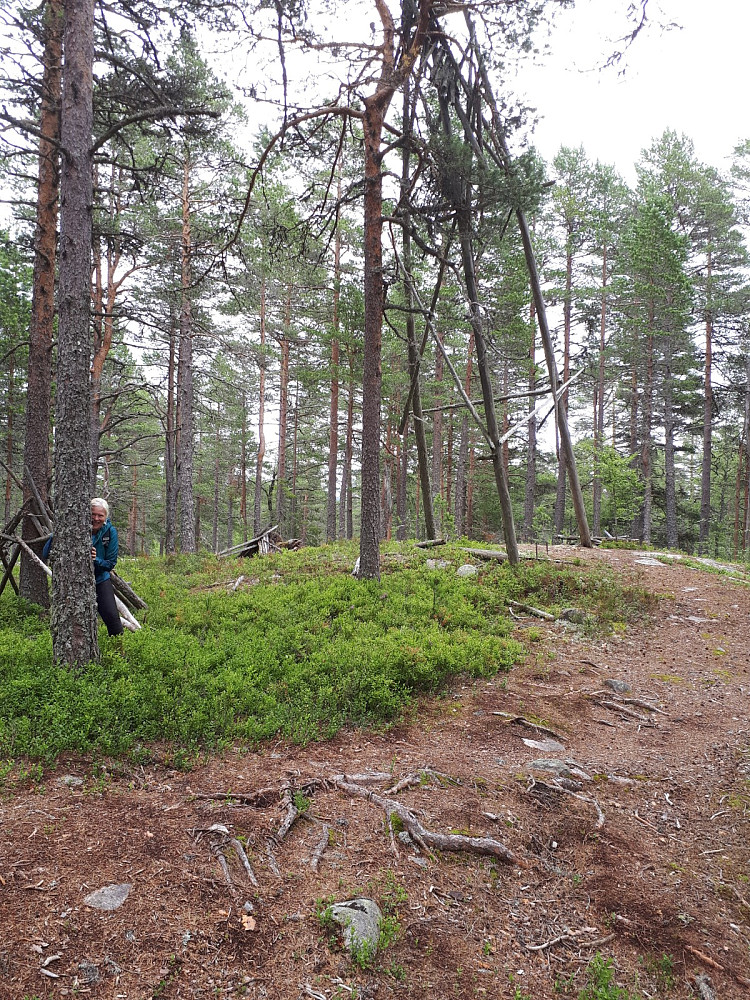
[693, 79]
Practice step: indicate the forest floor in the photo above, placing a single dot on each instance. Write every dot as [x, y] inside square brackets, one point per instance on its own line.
[648, 863]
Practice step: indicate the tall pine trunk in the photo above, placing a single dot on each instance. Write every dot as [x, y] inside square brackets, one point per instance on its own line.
[74, 621]
[258, 493]
[185, 376]
[705, 516]
[36, 453]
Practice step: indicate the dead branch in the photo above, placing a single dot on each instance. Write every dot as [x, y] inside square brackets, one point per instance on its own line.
[567, 935]
[430, 543]
[487, 554]
[544, 615]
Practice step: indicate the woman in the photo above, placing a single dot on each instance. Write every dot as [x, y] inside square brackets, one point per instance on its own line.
[104, 549]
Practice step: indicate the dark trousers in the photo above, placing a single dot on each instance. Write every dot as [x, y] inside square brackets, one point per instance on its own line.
[105, 602]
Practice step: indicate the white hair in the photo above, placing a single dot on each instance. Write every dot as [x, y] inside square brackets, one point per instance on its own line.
[100, 502]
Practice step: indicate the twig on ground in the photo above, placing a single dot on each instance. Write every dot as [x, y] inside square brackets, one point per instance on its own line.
[645, 822]
[567, 935]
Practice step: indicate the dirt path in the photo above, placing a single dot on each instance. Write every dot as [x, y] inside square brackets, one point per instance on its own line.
[667, 873]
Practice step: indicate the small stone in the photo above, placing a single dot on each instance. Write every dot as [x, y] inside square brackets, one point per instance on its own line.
[360, 919]
[109, 897]
[437, 564]
[574, 615]
[467, 570]
[621, 687]
[71, 781]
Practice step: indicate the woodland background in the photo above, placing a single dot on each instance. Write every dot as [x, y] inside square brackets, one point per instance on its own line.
[227, 371]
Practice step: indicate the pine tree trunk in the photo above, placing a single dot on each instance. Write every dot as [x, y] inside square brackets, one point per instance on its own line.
[333, 415]
[705, 516]
[36, 453]
[283, 412]
[170, 480]
[217, 470]
[9, 402]
[599, 415]
[530, 483]
[74, 621]
[420, 436]
[369, 546]
[669, 452]
[437, 432]
[463, 448]
[563, 405]
[185, 390]
[646, 443]
[243, 473]
[258, 494]
[133, 516]
[401, 489]
[346, 526]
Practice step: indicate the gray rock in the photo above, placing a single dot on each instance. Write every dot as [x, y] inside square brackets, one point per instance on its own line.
[71, 781]
[437, 564]
[467, 570]
[621, 687]
[360, 919]
[574, 615]
[109, 897]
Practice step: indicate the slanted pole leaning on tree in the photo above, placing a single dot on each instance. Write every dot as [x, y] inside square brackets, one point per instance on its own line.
[565, 439]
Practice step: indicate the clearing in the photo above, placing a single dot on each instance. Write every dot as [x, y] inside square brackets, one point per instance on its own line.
[647, 861]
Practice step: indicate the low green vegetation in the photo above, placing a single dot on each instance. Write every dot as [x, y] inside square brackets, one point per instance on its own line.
[300, 649]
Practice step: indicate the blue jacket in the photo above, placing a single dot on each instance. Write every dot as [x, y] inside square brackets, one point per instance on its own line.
[107, 548]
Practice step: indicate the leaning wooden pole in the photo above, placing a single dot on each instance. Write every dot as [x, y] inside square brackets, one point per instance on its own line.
[536, 289]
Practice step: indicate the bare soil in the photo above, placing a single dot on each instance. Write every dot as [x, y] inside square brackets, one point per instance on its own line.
[667, 873]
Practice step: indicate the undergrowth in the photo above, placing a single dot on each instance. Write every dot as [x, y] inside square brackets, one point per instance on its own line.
[301, 649]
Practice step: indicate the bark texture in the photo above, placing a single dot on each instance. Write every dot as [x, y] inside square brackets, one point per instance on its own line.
[74, 622]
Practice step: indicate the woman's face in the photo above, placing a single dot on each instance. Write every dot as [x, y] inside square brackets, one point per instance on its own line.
[98, 517]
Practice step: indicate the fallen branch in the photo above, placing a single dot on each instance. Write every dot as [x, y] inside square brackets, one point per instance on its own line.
[544, 615]
[430, 543]
[567, 935]
[487, 554]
